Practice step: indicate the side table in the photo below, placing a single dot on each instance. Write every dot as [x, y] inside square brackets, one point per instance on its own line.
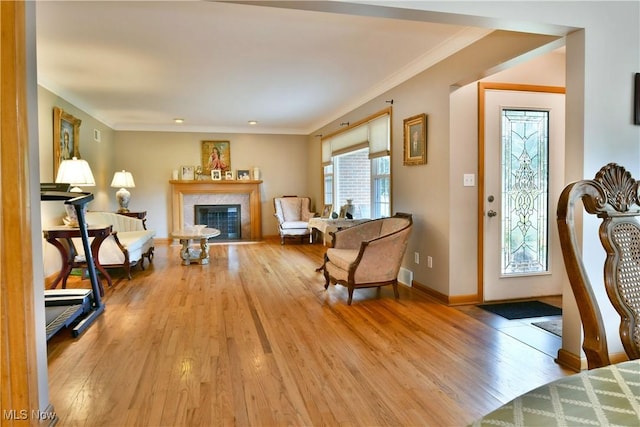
[327, 225]
[190, 255]
[140, 215]
[70, 260]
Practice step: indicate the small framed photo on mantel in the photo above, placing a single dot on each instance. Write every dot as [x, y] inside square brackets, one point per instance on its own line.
[187, 173]
[243, 174]
[216, 174]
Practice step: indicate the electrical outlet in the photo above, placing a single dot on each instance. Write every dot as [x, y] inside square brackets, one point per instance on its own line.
[416, 257]
[429, 262]
[469, 180]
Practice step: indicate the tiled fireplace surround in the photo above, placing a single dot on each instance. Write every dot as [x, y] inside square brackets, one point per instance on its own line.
[187, 194]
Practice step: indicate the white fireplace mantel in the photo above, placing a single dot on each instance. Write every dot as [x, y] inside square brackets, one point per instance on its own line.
[180, 189]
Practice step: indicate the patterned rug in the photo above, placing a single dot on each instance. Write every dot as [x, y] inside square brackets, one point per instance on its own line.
[553, 326]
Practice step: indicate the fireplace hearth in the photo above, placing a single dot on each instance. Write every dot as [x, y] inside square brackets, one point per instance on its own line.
[246, 193]
[225, 218]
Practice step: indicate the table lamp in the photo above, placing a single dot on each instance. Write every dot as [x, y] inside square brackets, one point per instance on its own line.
[77, 173]
[124, 180]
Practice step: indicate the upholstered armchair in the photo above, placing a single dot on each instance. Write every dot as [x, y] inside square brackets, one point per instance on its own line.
[368, 254]
[293, 214]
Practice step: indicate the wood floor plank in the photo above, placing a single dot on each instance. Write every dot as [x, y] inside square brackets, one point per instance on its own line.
[254, 339]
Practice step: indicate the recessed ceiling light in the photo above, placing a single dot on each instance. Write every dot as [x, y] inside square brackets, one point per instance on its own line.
[253, 122]
[178, 120]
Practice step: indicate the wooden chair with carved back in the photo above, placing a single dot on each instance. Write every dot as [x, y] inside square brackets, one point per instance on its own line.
[613, 196]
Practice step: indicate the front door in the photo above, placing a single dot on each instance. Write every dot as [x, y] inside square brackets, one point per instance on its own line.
[523, 178]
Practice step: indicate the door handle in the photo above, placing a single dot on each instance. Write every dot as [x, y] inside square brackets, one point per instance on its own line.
[492, 213]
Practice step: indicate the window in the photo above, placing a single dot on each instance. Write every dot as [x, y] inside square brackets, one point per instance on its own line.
[381, 194]
[356, 167]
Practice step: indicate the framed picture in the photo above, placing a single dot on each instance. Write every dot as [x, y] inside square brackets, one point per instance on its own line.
[326, 211]
[216, 174]
[66, 137]
[229, 175]
[187, 173]
[244, 174]
[215, 155]
[415, 140]
[343, 212]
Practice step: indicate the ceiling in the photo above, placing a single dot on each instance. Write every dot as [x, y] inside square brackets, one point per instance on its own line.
[218, 65]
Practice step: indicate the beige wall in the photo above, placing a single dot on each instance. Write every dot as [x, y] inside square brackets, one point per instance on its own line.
[152, 156]
[426, 190]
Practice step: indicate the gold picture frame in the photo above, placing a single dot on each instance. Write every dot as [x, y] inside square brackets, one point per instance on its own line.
[326, 211]
[415, 140]
[66, 137]
[215, 155]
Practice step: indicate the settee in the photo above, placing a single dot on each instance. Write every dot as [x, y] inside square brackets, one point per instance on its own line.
[127, 246]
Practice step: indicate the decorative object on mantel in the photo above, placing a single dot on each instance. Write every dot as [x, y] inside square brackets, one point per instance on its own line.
[66, 137]
[175, 175]
[256, 173]
[124, 180]
[187, 173]
[243, 174]
[215, 155]
[415, 140]
[199, 173]
[216, 174]
[77, 173]
[228, 175]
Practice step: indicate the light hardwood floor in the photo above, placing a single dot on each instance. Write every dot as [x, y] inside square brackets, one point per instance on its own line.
[253, 339]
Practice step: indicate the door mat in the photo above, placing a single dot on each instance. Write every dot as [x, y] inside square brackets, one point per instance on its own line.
[553, 326]
[522, 310]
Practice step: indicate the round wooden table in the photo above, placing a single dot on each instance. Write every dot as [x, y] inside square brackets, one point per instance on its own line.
[194, 255]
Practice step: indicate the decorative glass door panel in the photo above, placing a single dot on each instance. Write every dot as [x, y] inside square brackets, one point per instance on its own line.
[525, 192]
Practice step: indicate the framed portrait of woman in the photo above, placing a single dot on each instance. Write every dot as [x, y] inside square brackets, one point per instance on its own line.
[66, 137]
[415, 140]
[215, 155]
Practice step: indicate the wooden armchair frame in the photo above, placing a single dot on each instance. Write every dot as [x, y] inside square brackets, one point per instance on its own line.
[613, 196]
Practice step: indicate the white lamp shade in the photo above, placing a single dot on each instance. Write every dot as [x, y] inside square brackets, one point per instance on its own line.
[75, 172]
[123, 179]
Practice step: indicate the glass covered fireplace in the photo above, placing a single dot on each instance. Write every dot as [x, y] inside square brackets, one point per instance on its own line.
[225, 218]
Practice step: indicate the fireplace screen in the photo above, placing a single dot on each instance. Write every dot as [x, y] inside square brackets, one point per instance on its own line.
[225, 218]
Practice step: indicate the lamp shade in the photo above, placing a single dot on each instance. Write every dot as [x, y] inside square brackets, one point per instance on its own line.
[123, 179]
[75, 172]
